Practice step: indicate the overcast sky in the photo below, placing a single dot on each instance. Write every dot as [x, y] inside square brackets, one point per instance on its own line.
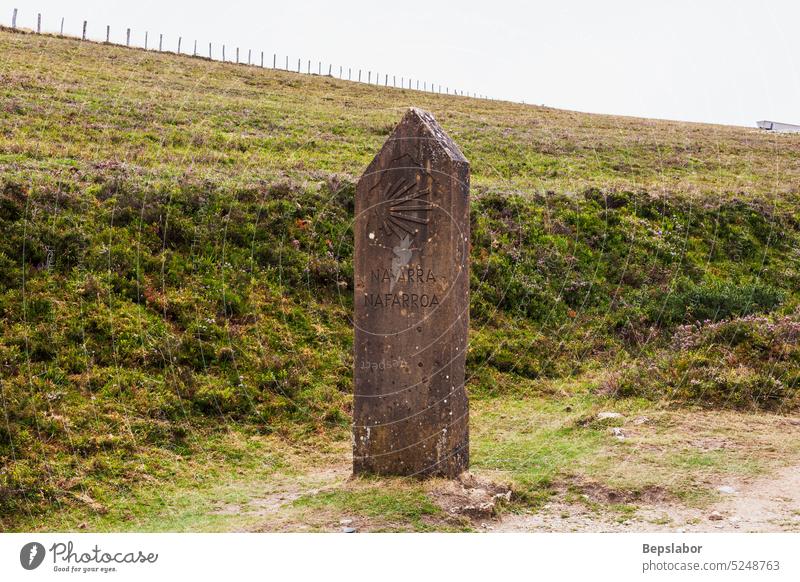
[725, 62]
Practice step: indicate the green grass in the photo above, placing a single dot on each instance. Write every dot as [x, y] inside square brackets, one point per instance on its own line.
[406, 506]
[541, 447]
[222, 483]
[532, 442]
[544, 446]
[198, 214]
[710, 460]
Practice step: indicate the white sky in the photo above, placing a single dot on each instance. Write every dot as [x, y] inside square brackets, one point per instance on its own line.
[726, 62]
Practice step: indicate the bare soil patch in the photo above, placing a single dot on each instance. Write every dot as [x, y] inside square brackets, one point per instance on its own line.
[765, 504]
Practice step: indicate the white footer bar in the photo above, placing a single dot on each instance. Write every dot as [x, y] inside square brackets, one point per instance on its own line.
[402, 557]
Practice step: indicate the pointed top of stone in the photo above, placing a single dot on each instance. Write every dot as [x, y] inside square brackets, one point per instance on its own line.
[418, 124]
[426, 120]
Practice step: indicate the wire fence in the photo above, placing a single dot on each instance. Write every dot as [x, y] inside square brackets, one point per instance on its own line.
[354, 74]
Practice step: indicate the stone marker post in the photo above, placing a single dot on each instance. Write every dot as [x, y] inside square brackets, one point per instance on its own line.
[412, 305]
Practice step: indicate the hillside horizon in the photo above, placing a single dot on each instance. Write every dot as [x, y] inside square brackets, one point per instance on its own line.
[25, 30]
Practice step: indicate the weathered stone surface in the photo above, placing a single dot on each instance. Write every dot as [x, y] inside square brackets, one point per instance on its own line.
[412, 305]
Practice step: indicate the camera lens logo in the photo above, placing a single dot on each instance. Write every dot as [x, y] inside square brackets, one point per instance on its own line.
[31, 555]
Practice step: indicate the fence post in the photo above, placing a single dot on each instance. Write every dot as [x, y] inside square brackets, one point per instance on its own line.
[209, 50]
[14, 19]
[62, 26]
[248, 56]
[359, 75]
[369, 77]
[319, 67]
[386, 80]
[108, 32]
[146, 34]
[160, 41]
[39, 23]
[287, 62]
[83, 36]
[298, 65]
[223, 53]
[330, 67]
[340, 71]
[274, 60]
[237, 55]
[128, 37]
[349, 74]
[194, 50]
[180, 38]
[262, 59]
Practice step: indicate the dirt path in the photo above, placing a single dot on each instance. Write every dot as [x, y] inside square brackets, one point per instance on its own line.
[692, 471]
[766, 504]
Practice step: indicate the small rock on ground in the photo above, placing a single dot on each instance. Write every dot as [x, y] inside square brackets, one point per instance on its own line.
[605, 415]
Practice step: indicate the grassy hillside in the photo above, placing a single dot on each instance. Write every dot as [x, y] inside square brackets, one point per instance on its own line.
[175, 260]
